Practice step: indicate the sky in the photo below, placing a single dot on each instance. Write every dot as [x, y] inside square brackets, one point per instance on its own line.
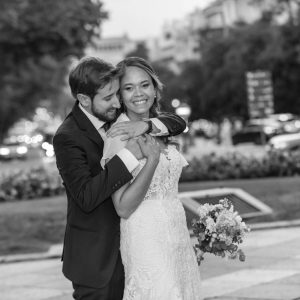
[144, 18]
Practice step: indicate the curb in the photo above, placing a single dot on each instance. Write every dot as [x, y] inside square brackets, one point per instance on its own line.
[55, 251]
[274, 225]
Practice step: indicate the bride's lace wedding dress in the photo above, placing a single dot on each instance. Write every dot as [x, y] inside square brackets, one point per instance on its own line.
[156, 250]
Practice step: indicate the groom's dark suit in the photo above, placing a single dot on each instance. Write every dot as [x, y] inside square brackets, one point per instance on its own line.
[91, 244]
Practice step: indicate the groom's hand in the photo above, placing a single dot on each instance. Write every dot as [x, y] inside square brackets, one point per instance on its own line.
[129, 129]
[134, 147]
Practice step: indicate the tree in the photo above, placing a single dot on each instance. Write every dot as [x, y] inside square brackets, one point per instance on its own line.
[191, 84]
[140, 51]
[172, 87]
[259, 46]
[286, 71]
[37, 41]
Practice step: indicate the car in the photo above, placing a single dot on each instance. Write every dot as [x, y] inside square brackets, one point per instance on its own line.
[257, 131]
[284, 143]
[13, 150]
[290, 123]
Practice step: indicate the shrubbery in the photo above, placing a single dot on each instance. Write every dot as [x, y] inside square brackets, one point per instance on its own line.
[238, 166]
[30, 184]
[44, 182]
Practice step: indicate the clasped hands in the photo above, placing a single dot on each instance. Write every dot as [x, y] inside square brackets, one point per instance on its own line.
[139, 144]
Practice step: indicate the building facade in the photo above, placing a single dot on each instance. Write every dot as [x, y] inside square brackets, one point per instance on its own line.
[112, 49]
[180, 40]
[226, 13]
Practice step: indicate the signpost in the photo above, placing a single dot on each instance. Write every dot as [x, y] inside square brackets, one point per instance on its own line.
[260, 94]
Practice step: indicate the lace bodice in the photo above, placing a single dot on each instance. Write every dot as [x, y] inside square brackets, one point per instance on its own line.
[165, 180]
[156, 250]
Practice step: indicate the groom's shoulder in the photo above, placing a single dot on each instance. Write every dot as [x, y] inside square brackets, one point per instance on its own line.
[68, 126]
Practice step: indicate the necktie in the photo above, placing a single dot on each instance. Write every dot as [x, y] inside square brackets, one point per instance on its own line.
[106, 126]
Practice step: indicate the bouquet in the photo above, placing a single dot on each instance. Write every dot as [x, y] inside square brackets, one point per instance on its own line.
[219, 230]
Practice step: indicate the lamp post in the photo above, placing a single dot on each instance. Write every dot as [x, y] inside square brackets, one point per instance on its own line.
[184, 111]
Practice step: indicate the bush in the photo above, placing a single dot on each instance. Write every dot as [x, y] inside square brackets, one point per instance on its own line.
[44, 182]
[237, 166]
[30, 184]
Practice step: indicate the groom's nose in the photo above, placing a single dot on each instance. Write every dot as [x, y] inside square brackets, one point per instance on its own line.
[116, 102]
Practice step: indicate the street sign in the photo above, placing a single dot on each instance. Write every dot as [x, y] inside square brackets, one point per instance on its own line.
[260, 94]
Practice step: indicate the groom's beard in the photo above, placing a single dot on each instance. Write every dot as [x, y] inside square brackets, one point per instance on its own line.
[108, 116]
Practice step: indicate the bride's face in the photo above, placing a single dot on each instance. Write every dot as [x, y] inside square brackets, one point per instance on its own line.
[137, 92]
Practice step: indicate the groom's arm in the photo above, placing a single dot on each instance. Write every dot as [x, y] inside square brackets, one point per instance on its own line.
[86, 189]
[174, 124]
[167, 124]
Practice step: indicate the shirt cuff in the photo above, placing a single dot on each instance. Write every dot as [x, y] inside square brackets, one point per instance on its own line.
[161, 126]
[128, 159]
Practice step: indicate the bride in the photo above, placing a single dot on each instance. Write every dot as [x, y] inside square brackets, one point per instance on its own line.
[156, 250]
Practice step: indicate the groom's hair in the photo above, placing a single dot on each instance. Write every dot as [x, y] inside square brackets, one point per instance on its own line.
[90, 74]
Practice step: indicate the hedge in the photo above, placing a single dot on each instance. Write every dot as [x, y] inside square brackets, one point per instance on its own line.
[34, 183]
[45, 181]
[235, 165]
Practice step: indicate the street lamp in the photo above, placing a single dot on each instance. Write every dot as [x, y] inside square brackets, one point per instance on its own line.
[184, 111]
[175, 103]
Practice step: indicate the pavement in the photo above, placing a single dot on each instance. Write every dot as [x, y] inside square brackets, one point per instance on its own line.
[271, 270]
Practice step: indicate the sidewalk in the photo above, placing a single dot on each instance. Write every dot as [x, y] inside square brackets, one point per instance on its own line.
[271, 272]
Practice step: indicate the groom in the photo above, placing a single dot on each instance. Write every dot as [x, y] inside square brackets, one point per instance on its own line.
[91, 257]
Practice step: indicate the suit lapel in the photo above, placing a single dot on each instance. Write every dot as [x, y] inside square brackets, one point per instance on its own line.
[86, 126]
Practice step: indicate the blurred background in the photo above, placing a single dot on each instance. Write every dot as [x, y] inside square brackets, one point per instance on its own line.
[231, 68]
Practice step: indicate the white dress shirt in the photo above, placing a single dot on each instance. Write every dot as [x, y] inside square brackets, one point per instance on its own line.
[124, 154]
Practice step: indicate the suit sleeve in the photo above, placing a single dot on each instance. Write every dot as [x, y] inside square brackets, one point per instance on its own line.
[86, 190]
[174, 123]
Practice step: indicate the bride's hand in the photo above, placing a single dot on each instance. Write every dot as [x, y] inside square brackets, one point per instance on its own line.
[128, 129]
[150, 148]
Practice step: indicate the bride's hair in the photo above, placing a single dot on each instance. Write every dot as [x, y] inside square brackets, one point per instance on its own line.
[144, 65]
[158, 86]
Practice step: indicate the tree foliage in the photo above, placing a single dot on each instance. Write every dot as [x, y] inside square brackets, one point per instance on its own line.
[225, 62]
[140, 50]
[171, 86]
[215, 86]
[37, 40]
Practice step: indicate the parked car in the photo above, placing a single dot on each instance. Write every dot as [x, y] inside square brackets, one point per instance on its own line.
[285, 143]
[12, 150]
[257, 131]
[290, 123]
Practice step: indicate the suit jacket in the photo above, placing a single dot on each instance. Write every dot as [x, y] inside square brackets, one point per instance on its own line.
[92, 236]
